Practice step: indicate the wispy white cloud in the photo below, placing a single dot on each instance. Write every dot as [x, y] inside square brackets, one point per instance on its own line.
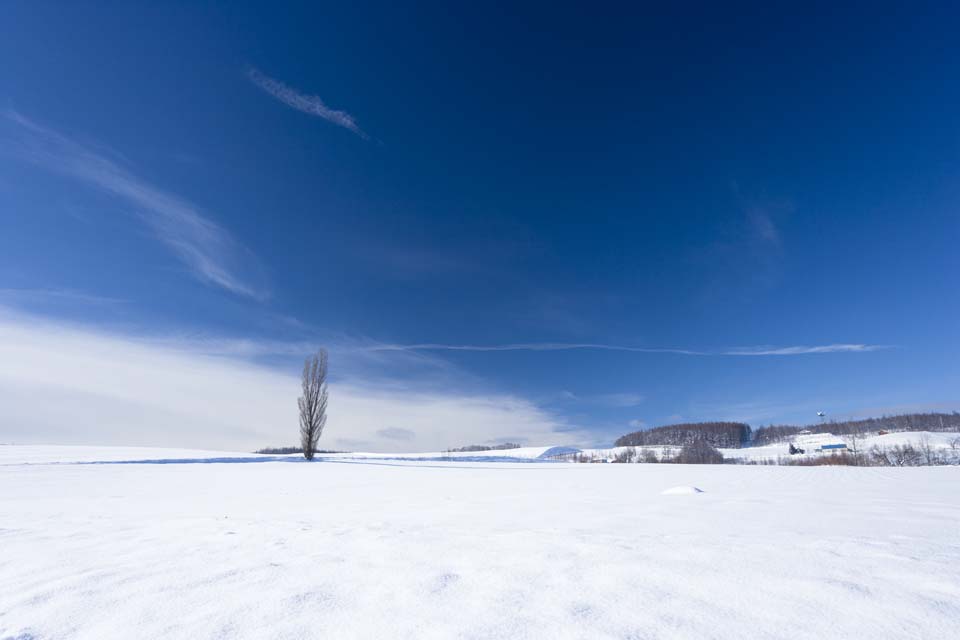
[211, 252]
[762, 217]
[804, 350]
[747, 253]
[21, 295]
[569, 346]
[764, 229]
[66, 383]
[526, 346]
[312, 105]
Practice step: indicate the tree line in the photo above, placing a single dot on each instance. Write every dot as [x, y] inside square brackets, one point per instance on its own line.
[904, 422]
[483, 447]
[734, 435]
[724, 435]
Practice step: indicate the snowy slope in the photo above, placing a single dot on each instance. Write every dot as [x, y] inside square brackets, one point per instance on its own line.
[939, 440]
[388, 549]
[942, 441]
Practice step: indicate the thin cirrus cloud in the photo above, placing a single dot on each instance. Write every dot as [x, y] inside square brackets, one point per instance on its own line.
[207, 249]
[312, 105]
[564, 346]
[804, 350]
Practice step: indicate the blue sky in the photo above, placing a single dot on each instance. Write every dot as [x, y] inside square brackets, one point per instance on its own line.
[755, 208]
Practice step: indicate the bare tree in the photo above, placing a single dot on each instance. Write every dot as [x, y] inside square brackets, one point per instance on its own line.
[855, 437]
[313, 402]
[650, 456]
[902, 455]
[880, 457]
[928, 453]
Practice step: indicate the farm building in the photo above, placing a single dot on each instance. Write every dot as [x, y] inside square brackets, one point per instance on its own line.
[819, 442]
[833, 447]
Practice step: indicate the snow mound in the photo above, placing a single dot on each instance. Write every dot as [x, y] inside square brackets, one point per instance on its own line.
[681, 491]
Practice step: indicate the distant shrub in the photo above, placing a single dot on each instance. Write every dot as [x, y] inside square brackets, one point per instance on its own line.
[587, 458]
[626, 456]
[699, 453]
[833, 460]
[282, 451]
[279, 451]
[901, 455]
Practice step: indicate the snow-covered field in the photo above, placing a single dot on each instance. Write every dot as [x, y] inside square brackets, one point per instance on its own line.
[407, 549]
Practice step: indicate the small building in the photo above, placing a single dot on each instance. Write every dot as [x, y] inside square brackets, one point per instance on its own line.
[833, 447]
[819, 442]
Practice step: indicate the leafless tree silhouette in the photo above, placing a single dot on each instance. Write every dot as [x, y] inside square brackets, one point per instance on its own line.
[928, 453]
[855, 438]
[313, 402]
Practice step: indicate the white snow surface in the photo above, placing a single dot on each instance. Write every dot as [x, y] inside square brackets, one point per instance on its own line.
[519, 454]
[205, 545]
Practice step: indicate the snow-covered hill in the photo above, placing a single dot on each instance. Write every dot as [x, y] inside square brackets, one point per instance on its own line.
[947, 443]
[942, 441]
[96, 545]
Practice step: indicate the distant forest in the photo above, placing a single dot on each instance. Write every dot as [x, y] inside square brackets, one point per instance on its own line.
[905, 422]
[484, 447]
[725, 435]
[734, 435]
